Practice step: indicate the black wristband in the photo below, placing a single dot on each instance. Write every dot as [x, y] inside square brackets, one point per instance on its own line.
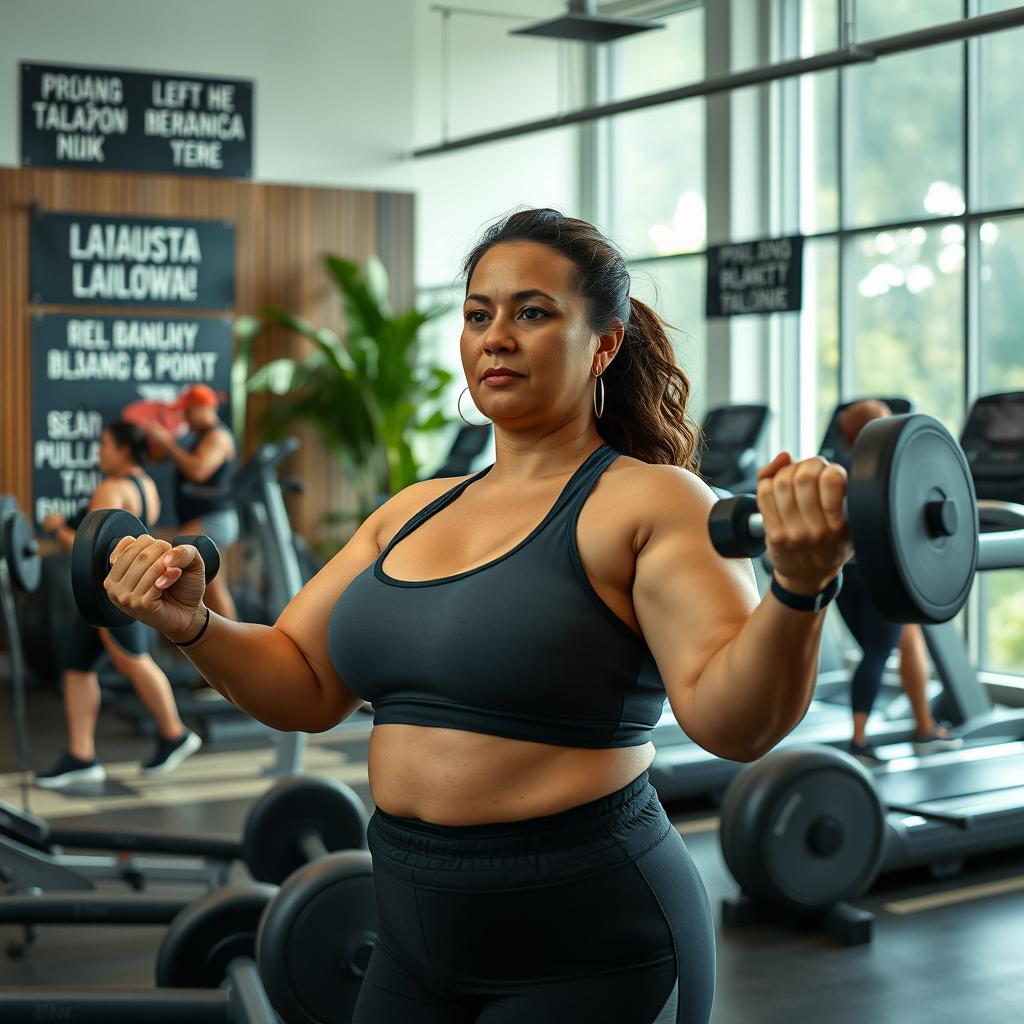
[807, 602]
[189, 643]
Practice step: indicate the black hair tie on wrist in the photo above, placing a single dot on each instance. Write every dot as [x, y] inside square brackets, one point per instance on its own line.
[198, 636]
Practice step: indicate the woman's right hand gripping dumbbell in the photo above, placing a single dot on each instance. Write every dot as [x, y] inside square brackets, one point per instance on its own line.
[160, 585]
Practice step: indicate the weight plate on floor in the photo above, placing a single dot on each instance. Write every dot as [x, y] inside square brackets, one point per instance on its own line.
[316, 937]
[297, 805]
[803, 828]
[21, 551]
[913, 518]
[90, 562]
[45, 618]
[207, 935]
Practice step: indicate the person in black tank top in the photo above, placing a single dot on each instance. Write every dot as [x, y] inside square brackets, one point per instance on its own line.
[524, 868]
[206, 457]
[125, 485]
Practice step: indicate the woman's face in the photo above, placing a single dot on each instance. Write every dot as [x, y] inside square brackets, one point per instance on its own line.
[112, 456]
[522, 311]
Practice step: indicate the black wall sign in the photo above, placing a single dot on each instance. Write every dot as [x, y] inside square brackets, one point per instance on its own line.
[106, 119]
[85, 370]
[85, 259]
[756, 277]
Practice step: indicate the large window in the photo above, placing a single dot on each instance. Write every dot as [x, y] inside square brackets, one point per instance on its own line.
[904, 137]
[657, 154]
[909, 174]
[907, 317]
[1000, 99]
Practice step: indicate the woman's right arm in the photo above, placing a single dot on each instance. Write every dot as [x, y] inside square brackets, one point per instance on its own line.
[281, 675]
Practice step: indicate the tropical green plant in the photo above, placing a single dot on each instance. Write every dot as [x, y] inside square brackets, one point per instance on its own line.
[366, 394]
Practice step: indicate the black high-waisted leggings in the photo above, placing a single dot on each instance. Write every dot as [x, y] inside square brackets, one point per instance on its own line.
[876, 636]
[595, 914]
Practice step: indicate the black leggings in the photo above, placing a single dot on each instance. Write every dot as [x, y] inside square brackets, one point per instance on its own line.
[876, 636]
[85, 646]
[595, 914]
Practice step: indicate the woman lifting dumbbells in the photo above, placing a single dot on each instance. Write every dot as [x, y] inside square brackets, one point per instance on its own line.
[516, 632]
[125, 485]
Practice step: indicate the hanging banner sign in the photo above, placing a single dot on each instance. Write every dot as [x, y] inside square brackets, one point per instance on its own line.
[755, 277]
[104, 119]
[87, 370]
[86, 259]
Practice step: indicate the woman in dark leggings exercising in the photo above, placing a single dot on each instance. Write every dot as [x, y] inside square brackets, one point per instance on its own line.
[125, 485]
[517, 632]
[877, 637]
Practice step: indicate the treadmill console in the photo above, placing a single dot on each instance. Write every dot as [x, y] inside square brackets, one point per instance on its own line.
[993, 441]
[732, 437]
[834, 448]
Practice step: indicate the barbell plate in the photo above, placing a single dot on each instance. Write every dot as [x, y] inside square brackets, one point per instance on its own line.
[295, 806]
[21, 552]
[207, 935]
[95, 538]
[316, 938]
[803, 828]
[907, 476]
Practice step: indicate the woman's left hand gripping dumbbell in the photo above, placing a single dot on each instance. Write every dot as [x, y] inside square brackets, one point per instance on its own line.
[160, 585]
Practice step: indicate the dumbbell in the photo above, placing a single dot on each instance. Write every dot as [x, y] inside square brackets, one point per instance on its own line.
[253, 955]
[912, 515]
[95, 540]
[301, 819]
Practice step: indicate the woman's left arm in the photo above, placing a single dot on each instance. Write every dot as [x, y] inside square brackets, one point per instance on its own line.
[739, 673]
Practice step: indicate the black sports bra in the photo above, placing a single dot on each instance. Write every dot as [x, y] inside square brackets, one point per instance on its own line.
[522, 647]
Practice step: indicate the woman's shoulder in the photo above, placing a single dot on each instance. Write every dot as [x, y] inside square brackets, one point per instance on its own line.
[650, 493]
[410, 500]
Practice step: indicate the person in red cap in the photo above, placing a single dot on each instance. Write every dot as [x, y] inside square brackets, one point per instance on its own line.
[205, 456]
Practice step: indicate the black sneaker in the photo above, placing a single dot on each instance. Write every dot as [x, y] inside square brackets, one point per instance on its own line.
[864, 752]
[70, 771]
[170, 753]
[935, 742]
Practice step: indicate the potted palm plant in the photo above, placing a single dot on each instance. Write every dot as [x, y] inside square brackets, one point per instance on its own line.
[366, 394]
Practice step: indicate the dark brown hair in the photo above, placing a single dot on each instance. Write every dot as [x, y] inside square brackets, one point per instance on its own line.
[128, 435]
[646, 391]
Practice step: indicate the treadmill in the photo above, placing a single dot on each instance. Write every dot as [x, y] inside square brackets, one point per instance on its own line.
[682, 769]
[946, 806]
[733, 440]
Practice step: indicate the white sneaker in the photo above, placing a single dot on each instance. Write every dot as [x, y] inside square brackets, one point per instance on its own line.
[170, 753]
[71, 771]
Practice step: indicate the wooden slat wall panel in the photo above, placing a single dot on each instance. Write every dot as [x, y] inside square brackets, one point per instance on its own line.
[281, 233]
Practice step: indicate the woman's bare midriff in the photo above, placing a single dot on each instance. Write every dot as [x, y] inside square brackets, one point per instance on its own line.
[455, 777]
[451, 777]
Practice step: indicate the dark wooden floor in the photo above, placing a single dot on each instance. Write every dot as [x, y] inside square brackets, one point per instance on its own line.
[960, 963]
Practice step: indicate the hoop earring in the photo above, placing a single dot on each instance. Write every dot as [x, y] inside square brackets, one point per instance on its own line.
[487, 423]
[600, 380]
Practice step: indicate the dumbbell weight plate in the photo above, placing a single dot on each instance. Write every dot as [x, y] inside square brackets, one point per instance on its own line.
[95, 538]
[316, 937]
[295, 805]
[207, 935]
[21, 551]
[905, 470]
[803, 828]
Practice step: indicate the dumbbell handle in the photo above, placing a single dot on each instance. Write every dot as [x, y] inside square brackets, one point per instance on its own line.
[737, 527]
[206, 548]
[312, 846]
